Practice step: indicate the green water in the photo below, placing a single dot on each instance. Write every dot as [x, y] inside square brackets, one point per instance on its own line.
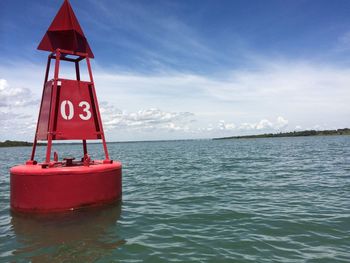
[255, 200]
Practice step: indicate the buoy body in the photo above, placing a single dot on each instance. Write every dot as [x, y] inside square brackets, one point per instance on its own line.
[37, 189]
[68, 111]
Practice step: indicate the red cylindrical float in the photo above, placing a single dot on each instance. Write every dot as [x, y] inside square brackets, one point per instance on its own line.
[37, 189]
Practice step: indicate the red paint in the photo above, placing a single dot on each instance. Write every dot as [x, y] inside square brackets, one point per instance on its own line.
[84, 123]
[44, 117]
[36, 189]
[78, 118]
[68, 121]
[69, 111]
[65, 33]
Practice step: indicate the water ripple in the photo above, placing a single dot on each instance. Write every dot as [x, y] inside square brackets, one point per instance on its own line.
[264, 200]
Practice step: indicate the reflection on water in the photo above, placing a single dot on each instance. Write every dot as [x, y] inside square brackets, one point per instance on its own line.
[82, 235]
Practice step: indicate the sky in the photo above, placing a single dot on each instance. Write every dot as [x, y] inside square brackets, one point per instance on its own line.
[188, 69]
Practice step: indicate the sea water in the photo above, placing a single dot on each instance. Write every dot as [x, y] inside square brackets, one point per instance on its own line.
[247, 200]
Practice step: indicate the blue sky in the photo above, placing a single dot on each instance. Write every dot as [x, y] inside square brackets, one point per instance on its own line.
[190, 69]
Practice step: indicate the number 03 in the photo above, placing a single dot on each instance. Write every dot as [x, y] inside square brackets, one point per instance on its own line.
[83, 104]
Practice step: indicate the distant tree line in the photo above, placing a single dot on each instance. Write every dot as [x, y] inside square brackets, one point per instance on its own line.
[9, 143]
[345, 131]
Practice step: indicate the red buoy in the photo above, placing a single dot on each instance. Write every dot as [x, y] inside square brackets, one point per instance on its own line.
[68, 111]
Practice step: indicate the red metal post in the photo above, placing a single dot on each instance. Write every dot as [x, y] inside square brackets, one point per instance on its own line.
[77, 70]
[89, 70]
[97, 110]
[52, 109]
[84, 147]
[42, 97]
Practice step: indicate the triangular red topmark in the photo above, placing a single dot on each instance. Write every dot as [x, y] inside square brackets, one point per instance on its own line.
[65, 33]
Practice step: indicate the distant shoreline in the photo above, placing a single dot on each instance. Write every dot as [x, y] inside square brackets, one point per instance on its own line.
[345, 131]
[9, 143]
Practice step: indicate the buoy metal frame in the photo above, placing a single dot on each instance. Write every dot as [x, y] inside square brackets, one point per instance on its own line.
[58, 56]
[55, 185]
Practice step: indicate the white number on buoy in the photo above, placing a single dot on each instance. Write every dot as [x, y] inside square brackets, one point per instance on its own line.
[70, 110]
[83, 104]
[86, 109]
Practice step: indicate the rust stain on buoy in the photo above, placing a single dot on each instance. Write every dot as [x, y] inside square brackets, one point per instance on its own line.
[69, 111]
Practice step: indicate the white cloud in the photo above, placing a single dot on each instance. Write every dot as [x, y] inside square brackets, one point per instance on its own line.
[299, 89]
[14, 97]
[225, 126]
[264, 125]
[281, 123]
[284, 84]
[15, 118]
[145, 120]
[250, 100]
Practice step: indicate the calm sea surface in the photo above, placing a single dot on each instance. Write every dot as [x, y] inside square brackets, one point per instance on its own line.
[254, 200]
